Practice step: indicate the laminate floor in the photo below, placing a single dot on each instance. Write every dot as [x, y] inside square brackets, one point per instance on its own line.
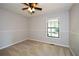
[35, 48]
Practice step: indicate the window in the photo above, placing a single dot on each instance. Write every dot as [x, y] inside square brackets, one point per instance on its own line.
[53, 28]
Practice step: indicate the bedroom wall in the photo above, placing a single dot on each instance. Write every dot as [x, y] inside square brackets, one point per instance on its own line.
[74, 29]
[38, 28]
[13, 28]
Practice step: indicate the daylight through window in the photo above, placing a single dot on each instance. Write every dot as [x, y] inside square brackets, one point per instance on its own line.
[53, 28]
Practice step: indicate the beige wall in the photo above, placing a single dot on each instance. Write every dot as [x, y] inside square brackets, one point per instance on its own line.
[13, 28]
[38, 28]
[74, 29]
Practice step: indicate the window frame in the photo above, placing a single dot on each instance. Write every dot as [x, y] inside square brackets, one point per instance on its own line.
[58, 28]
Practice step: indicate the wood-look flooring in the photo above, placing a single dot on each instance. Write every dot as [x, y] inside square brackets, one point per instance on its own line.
[34, 48]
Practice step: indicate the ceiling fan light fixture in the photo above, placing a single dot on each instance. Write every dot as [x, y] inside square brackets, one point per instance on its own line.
[29, 9]
[33, 9]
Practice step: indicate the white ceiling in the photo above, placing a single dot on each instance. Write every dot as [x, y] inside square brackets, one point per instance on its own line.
[47, 7]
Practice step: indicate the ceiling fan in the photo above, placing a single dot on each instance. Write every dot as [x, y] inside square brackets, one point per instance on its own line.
[31, 7]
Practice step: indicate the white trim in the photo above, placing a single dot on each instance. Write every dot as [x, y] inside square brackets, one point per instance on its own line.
[34, 40]
[72, 52]
[12, 44]
[51, 43]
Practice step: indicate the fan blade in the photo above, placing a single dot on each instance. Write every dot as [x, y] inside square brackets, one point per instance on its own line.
[33, 4]
[24, 8]
[25, 4]
[30, 4]
[38, 8]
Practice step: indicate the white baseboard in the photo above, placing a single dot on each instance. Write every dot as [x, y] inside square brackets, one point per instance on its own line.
[51, 43]
[12, 44]
[34, 40]
[72, 52]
